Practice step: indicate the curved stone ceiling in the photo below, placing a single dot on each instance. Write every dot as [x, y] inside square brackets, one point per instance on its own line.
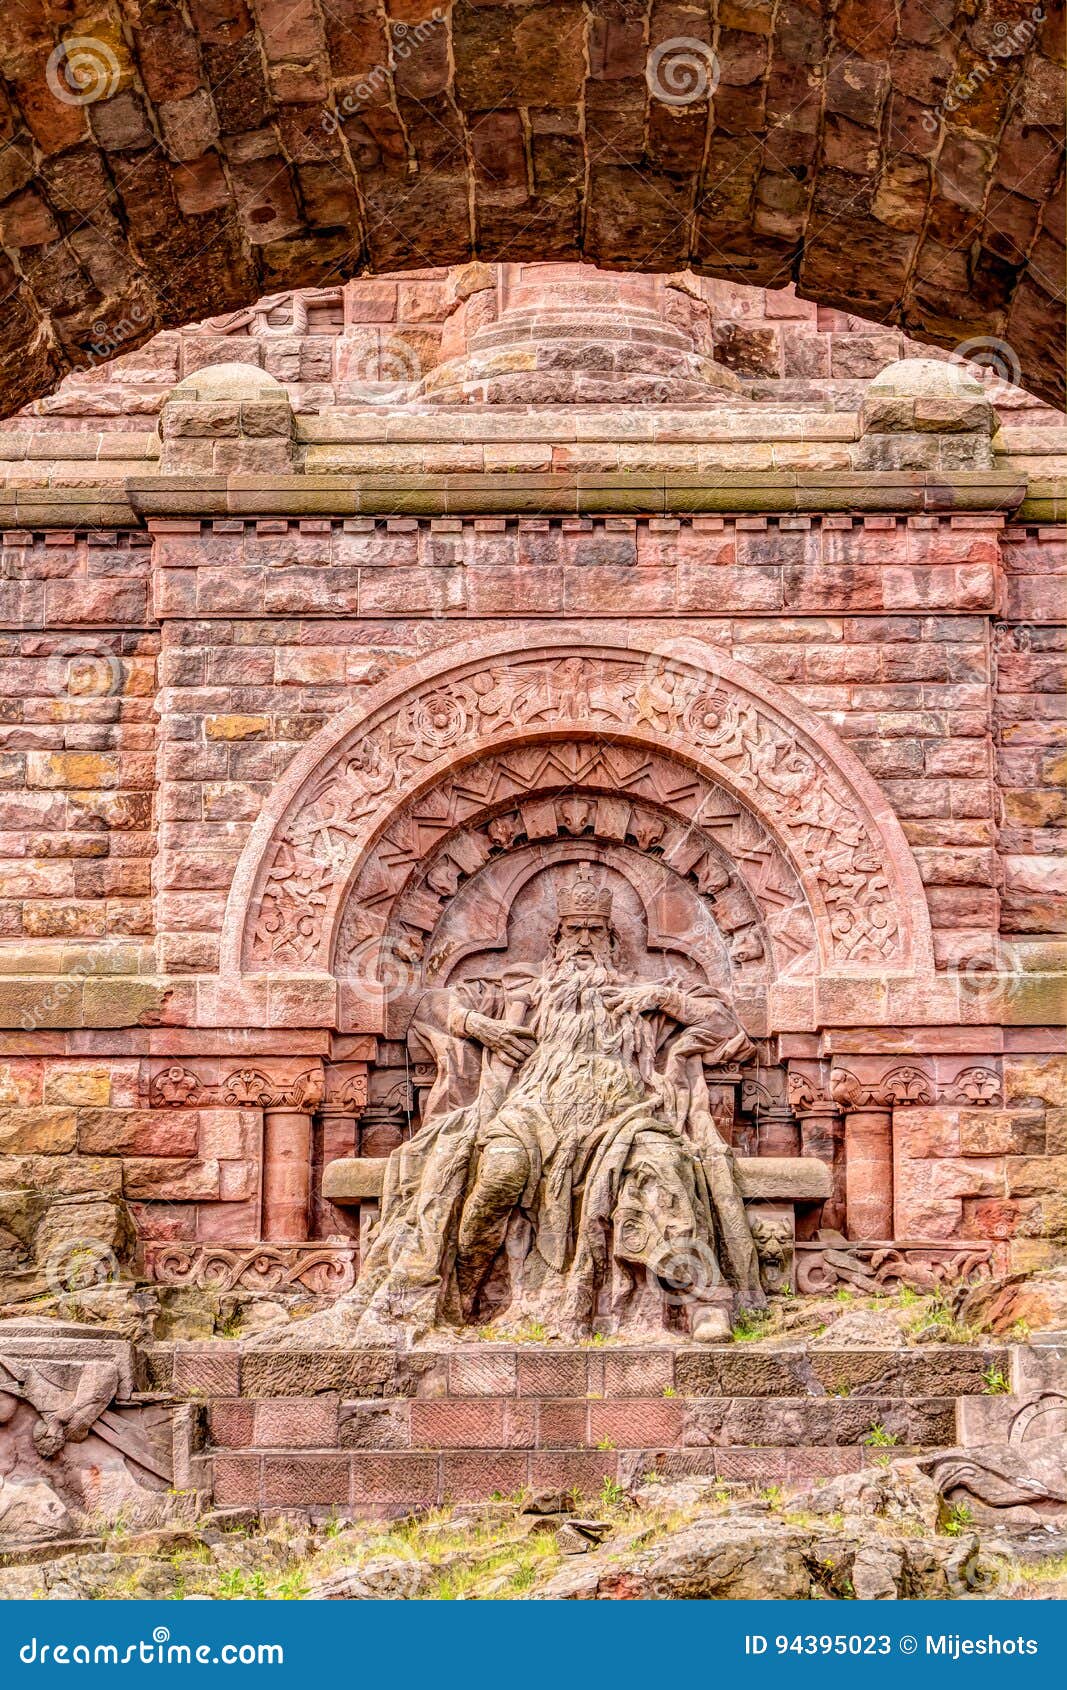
[163, 161]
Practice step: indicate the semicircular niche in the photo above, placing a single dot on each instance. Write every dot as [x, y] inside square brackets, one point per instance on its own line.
[715, 896]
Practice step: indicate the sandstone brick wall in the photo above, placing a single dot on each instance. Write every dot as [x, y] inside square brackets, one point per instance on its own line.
[783, 349]
[271, 627]
[158, 678]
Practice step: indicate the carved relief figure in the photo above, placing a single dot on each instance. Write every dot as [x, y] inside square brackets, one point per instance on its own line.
[568, 1150]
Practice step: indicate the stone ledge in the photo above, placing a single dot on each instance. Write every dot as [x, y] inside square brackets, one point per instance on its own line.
[217, 1369]
[390, 1482]
[573, 494]
[801, 1179]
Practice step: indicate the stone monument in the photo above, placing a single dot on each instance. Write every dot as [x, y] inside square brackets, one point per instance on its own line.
[568, 1147]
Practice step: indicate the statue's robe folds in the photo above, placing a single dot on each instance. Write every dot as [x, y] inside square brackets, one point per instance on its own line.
[627, 1170]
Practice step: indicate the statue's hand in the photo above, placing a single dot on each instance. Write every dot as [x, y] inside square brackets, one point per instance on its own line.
[514, 1044]
[642, 999]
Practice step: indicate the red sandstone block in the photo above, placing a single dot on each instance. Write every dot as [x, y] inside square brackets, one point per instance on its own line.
[457, 1423]
[231, 1423]
[607, 589]
[395, 1477]
[475, 1478]
[636, 1422]
[520, 1423]
[804, 1465]
[669, 1464]
[227, 1223]
[305, 1479]
[629, 1373]
[122, 602]
[481, 1375]
[514, 591]
[581, 1470]
[135, 1132]
[549, 1373]
[235, 1480]
[209, 1371]
[755, 1466]
[393, 592]
[296, 1422]
[704, 587]
[562, 1424]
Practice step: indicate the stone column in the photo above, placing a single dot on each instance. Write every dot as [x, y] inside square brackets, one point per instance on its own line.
[778, 1134]
[286, 1175]
[820, 1136]
[869, 1174]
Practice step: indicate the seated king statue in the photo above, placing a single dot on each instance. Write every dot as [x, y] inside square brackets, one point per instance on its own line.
[568, 1159]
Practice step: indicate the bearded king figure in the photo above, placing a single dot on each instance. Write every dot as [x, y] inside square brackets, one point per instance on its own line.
[567, 1154]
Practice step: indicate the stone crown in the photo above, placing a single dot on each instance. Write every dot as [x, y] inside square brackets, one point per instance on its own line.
[584, 897]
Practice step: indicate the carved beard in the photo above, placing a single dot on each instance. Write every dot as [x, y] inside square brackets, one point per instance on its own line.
[572, 1006]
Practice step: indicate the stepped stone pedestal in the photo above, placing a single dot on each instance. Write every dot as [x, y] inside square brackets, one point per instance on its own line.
[380, 1432]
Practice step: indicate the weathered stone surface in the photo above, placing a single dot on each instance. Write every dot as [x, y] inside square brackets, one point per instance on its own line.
[276, 215]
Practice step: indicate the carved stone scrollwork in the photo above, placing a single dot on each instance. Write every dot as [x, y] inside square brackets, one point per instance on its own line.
[177, 1087]
[354, 1093]
[251, 1089]
[908, 1083]
[975, 1086]
[900, 1085]
[708, 714]
[873, 1267]
[322, 1270]
[806, 1093]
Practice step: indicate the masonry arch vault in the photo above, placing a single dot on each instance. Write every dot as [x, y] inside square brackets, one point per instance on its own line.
[167, 163]
[758, 849]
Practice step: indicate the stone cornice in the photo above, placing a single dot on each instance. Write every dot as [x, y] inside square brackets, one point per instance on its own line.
[657, 492]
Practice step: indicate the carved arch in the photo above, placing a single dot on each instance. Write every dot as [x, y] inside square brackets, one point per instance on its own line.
[444, 722]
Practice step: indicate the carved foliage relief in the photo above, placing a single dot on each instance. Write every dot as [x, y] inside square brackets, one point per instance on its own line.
[743, 780]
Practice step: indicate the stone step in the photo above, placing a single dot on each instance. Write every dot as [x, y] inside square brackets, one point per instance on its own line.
[212, 1370]
[540, 1423]
[382, 1483]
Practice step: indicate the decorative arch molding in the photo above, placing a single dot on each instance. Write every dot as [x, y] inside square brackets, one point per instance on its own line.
[442, 723]
[704, 865]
